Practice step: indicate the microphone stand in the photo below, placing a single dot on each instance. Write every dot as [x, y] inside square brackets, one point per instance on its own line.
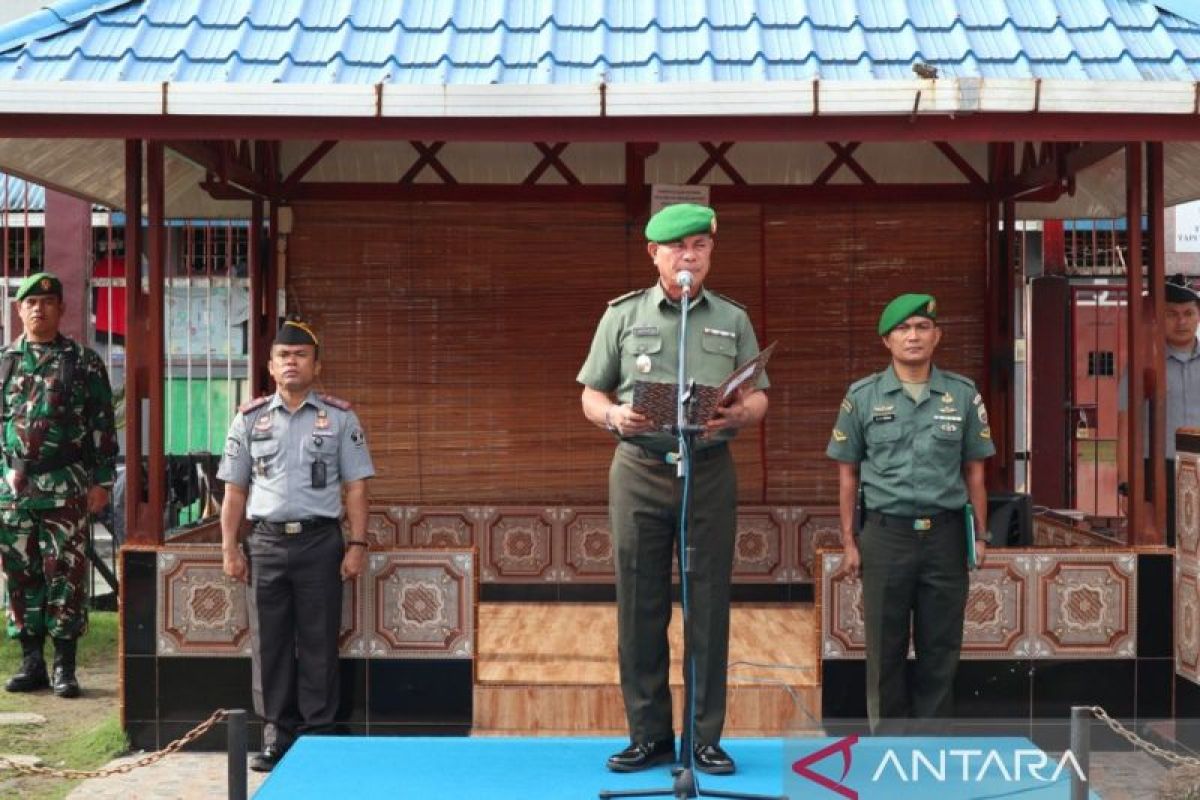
[686, 785]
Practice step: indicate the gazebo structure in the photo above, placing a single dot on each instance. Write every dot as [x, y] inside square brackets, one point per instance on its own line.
[451, 191]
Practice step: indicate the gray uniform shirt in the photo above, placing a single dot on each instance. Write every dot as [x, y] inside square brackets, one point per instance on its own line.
[274, 457]
[1183, 396]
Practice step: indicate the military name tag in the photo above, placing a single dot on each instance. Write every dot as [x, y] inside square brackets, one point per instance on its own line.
[645, 330]
[883, 417]
[947, 417]
[719, 332]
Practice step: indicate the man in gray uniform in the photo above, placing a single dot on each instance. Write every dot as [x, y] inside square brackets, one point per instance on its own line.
[287, 458]
[1183, 391]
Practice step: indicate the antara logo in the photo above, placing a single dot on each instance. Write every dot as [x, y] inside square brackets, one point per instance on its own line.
[940, 765]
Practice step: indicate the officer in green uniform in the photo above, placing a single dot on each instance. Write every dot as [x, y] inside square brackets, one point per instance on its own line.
[916, 438]
[60, 451]
[638, 339]
[288, 458]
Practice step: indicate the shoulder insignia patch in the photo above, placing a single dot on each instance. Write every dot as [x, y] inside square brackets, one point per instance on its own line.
[847, 406]
[250, 405]
[985, 433]
[626, 296]
[336, 402]
[954, 376]
[838, 436]
[726, 298]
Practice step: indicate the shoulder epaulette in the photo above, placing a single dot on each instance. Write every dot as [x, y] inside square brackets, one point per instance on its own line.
[626, 296]
[867, 381]
[250, 405]
[336, 402]
[954, 376]
[727, 299]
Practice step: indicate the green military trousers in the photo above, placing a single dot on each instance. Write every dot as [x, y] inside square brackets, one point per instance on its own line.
[644, 501]
[45, 569]
[912, 580]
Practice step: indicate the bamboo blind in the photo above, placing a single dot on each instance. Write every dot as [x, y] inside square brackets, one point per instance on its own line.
[457, 331]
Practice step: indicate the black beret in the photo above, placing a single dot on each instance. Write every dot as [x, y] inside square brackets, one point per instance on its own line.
[1178, 290]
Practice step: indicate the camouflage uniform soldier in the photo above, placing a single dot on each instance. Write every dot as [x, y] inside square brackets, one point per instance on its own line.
[60, 449]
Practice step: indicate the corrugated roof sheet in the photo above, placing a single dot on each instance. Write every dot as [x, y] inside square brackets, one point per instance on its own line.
[585, 41]
[18, 195]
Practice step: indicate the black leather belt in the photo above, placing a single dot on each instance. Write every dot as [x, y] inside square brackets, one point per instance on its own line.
[295, 527]
[927, 523]
[672, 457]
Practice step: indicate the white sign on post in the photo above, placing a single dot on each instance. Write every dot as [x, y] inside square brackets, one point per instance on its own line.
[665, 194]
[1187, 227]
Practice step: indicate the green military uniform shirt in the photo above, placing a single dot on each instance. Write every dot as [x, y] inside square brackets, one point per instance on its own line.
[912, 453]
[42, 419]
[638, 340]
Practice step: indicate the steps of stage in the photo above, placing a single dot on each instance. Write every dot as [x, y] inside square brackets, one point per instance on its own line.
[550, 669]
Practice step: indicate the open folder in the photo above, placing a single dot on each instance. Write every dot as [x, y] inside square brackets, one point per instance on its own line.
[656, 401]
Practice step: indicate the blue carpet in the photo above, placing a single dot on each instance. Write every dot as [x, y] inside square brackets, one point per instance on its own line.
[560, 768]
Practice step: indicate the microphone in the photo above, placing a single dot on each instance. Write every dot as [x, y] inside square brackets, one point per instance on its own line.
[684, 281]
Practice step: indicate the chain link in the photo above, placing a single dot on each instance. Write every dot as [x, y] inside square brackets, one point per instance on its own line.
[1137, 741]
[145, 761]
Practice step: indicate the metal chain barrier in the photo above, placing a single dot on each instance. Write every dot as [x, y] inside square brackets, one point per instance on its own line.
[145, 761]
[1140, 743]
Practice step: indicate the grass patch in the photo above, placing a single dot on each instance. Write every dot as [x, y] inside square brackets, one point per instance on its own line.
[83, 733]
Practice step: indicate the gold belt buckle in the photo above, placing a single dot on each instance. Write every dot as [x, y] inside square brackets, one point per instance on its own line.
[292, 528]
[922, 524]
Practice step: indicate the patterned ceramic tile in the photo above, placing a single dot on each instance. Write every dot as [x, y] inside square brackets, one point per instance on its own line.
[1087, 605]
[587, 545]
[759, 551]
[201, 612]
[995, 619]
[1047, 605]
[518, 544]
[352, 639]
[383, 528]
[1049, 532]
[422, 604]
[440, 527]
[1187, 506]
[819, 527]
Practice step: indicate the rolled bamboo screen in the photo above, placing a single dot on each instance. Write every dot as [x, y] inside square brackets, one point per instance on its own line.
[456, 330]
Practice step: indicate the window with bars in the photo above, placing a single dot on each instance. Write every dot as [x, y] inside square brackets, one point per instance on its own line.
[1101, 364]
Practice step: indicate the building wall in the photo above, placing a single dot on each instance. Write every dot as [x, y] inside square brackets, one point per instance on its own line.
[458, 329]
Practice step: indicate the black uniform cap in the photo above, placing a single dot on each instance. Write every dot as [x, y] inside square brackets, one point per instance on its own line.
[295, 332]
[1179, 291]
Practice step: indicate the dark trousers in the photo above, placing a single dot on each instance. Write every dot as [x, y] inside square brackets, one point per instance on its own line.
[295, 604]
[912, 580]
[644, 501]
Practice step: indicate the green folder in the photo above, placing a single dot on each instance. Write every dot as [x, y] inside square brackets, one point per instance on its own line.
[969, 514]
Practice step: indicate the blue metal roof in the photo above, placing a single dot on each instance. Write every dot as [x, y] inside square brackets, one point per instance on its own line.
[584, 41]
[18, 195]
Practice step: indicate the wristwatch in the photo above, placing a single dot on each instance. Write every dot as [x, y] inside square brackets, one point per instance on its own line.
[357, 543]
[608, 420]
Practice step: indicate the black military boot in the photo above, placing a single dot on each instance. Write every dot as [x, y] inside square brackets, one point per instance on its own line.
[32, 674]
[64, 683]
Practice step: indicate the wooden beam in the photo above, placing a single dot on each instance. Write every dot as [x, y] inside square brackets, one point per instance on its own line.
[1069, 161]
[137, 528]
[156, 253]
[957, 159]
[1156, 278]
[1138, 533]
[218, 161]
[305, 166]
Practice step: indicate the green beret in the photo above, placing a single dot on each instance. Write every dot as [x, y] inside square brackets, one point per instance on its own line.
[1178, 291]
[40, 283]
[673, 223]
[905, 306]
[295, 332]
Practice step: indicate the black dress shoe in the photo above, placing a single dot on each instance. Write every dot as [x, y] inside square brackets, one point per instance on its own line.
[712, 759]
[641, 756]
[268, 758]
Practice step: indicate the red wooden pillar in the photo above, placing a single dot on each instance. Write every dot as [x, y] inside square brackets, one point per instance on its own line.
[998, 335]
[1138, 533]
[257, 373]
[155, 365]
[137, 529]
[1156, 275]
[1050, 392]
[271, 315]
